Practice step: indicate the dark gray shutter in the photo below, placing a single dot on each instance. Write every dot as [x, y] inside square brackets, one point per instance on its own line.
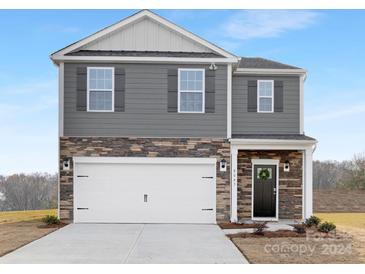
[81, 88]
[172, 90]
[209, 91]
[119, 89]
[278, 96]
[252, 96]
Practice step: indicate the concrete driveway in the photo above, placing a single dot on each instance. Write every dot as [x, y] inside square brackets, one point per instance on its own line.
[130, 243]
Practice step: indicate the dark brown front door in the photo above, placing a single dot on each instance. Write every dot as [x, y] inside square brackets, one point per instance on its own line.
[264, 191]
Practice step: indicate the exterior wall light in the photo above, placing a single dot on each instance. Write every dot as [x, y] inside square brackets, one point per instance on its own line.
[286, 166]
[213, 67]
[223, 165]
[66, 164]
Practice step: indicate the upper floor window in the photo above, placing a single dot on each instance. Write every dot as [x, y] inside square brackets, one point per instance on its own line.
[100, 89]
[265, 96]
[191, 89]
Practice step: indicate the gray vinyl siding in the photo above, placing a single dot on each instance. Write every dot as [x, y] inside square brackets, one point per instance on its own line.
[145, 112]
[286, 122]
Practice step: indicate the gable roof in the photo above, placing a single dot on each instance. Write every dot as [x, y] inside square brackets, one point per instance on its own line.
[133, 19]
[261, 63]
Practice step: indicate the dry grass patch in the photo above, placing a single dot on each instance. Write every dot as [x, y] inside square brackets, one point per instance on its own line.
[28, 215]
[15, 235]
[295, 251]
[353, 223]
[348, 220]
[18, 228]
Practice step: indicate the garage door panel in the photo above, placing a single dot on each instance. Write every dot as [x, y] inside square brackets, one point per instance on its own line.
[176, 193]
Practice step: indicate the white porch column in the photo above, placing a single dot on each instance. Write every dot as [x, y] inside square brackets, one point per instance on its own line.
[308, 182]
[234, 154]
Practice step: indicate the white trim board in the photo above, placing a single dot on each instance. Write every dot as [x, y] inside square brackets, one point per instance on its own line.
[233, 188]
[301, 103]
[135, 18]
[265, 162]
[144, 160]
[61, 80]
[61, 69]
[229, 101]
[137, 59]
[270, 144]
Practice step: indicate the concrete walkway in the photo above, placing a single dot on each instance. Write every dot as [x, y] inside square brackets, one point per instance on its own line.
[130, 243]
[270, 226]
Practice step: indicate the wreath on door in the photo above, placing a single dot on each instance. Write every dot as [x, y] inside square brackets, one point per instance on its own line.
[264, 174]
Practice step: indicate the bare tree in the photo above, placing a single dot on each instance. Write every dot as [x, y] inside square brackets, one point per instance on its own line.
[28, 192]
[354, 175]
[345, 174]
[325, 174]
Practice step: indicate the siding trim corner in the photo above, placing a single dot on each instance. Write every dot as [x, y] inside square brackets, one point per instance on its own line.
[229, 101]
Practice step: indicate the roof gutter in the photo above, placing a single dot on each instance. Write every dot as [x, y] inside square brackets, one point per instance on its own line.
[237, 141]
[270, 144]
[137, 59]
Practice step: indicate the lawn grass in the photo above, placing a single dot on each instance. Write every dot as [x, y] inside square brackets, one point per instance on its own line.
[348, 220]
[21, 216]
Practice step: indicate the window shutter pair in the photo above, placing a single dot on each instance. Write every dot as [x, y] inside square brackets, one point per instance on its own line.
[119, 89]
[278, 96]
[172, 91]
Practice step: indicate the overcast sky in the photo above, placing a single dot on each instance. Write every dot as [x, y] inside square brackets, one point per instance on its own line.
[329, 44]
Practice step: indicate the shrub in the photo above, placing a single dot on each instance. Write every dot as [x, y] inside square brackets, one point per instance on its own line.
[312, 221]
[299, 228]
[259, 230]
[51, 220]
[326, 227]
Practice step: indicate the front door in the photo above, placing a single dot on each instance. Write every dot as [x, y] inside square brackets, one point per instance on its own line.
[264, 191]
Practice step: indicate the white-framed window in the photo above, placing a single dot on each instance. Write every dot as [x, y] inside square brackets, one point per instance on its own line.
[191, 90]
[265, 95]
[100, 89]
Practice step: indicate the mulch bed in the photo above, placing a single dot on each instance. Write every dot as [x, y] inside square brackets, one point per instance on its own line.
[60, 225]
[282, 233]
[238, 226]
[268, 234]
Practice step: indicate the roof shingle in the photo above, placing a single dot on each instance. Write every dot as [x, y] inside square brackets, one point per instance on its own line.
[261, 63]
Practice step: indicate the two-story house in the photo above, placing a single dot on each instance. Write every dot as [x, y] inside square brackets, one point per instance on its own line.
[157, 125]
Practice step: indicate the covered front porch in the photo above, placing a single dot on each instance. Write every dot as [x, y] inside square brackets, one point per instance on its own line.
[271, 177]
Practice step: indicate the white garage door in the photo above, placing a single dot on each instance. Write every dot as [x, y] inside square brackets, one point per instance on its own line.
[144, 190]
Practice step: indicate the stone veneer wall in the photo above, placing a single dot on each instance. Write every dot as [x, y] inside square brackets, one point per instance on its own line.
[290, 183]
[144, 147]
